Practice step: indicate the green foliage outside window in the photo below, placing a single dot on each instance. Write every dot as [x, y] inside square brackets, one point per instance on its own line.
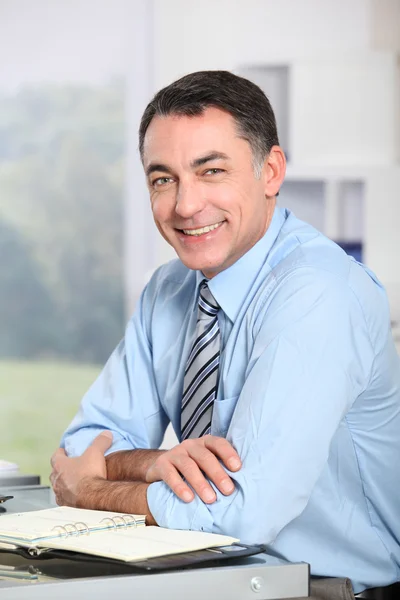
[61, 186]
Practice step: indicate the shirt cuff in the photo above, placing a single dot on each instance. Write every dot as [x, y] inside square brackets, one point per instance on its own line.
[76, 443]
[171, 512]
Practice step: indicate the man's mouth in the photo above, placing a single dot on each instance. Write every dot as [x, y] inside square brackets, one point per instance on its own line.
[202, 230]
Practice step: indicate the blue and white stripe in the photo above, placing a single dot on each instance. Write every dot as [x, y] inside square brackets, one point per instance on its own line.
[201, 373]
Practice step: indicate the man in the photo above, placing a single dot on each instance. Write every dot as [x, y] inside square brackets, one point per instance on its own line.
[265, 345]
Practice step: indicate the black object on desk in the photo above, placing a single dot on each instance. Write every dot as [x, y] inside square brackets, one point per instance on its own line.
[208, 557]
[3, 499]
[62, 564]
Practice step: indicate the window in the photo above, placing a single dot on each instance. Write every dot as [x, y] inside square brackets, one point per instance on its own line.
[62, 151]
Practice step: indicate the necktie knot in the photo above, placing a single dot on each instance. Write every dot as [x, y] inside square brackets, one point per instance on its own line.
[208, 306]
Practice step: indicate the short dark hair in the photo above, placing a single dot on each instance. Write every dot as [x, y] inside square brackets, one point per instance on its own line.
[243, 99]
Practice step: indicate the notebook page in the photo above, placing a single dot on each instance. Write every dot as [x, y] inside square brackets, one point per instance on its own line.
[39, 524]
[142, 543]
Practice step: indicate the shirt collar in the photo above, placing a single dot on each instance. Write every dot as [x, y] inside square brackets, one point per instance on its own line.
[231, 286]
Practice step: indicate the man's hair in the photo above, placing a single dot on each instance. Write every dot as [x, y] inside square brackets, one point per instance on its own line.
[244, 100]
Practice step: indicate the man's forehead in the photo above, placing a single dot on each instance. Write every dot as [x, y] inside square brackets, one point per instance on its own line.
[167, 132]
[210, 115]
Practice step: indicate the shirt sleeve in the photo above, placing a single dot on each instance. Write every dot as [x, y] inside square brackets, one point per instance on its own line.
[123, 399]
[311, 359]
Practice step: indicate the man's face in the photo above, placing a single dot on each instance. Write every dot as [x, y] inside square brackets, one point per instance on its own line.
[205, 198]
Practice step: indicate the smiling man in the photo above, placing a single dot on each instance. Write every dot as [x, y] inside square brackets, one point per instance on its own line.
[266, 347]
[207, 203]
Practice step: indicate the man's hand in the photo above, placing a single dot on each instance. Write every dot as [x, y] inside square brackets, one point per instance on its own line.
[192, 458]
[69, 474]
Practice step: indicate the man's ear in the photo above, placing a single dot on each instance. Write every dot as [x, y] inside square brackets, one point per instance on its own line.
[274, 171]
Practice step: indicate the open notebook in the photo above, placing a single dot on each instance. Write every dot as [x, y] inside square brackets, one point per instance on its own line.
[100, 533]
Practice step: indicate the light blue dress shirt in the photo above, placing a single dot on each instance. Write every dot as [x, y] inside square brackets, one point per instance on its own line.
[309, 395]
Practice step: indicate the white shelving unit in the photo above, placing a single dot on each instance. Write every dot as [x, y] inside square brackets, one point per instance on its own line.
[331, 199]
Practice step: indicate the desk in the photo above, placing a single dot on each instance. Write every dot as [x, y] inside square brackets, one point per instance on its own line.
[26, 498]
[261, 577]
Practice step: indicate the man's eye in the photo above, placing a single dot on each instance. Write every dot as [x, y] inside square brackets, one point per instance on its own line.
[213, 171]
[160, 181]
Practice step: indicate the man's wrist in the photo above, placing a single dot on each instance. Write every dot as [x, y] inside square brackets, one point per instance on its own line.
[128, 497]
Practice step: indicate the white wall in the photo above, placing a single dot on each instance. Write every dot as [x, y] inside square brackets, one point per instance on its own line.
[343, 110]
[191, 36]
[140, 234]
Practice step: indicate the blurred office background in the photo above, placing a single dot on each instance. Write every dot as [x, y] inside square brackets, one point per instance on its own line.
[77, 241]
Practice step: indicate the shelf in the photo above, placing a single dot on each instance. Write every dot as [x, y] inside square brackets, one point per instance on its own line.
[333, 206]
[306, 200]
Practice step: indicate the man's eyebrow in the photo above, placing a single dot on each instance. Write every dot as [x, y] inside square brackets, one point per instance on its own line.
[202, 160]
[157, 167]
[197, 162]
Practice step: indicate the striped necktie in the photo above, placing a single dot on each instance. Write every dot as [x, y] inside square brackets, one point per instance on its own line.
[201, 374]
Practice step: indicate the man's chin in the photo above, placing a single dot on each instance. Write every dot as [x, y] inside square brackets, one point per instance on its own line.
[202, 258]
[208, 268]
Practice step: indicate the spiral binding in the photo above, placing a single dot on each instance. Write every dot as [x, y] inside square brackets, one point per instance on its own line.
[80, 528]
[127, 521]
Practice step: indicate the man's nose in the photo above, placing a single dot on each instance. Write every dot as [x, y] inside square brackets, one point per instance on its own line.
[189, 200]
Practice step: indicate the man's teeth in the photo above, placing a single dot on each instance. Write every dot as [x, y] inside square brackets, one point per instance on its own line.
[202, 230]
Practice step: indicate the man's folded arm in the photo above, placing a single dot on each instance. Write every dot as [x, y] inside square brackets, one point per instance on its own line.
[311, 358]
